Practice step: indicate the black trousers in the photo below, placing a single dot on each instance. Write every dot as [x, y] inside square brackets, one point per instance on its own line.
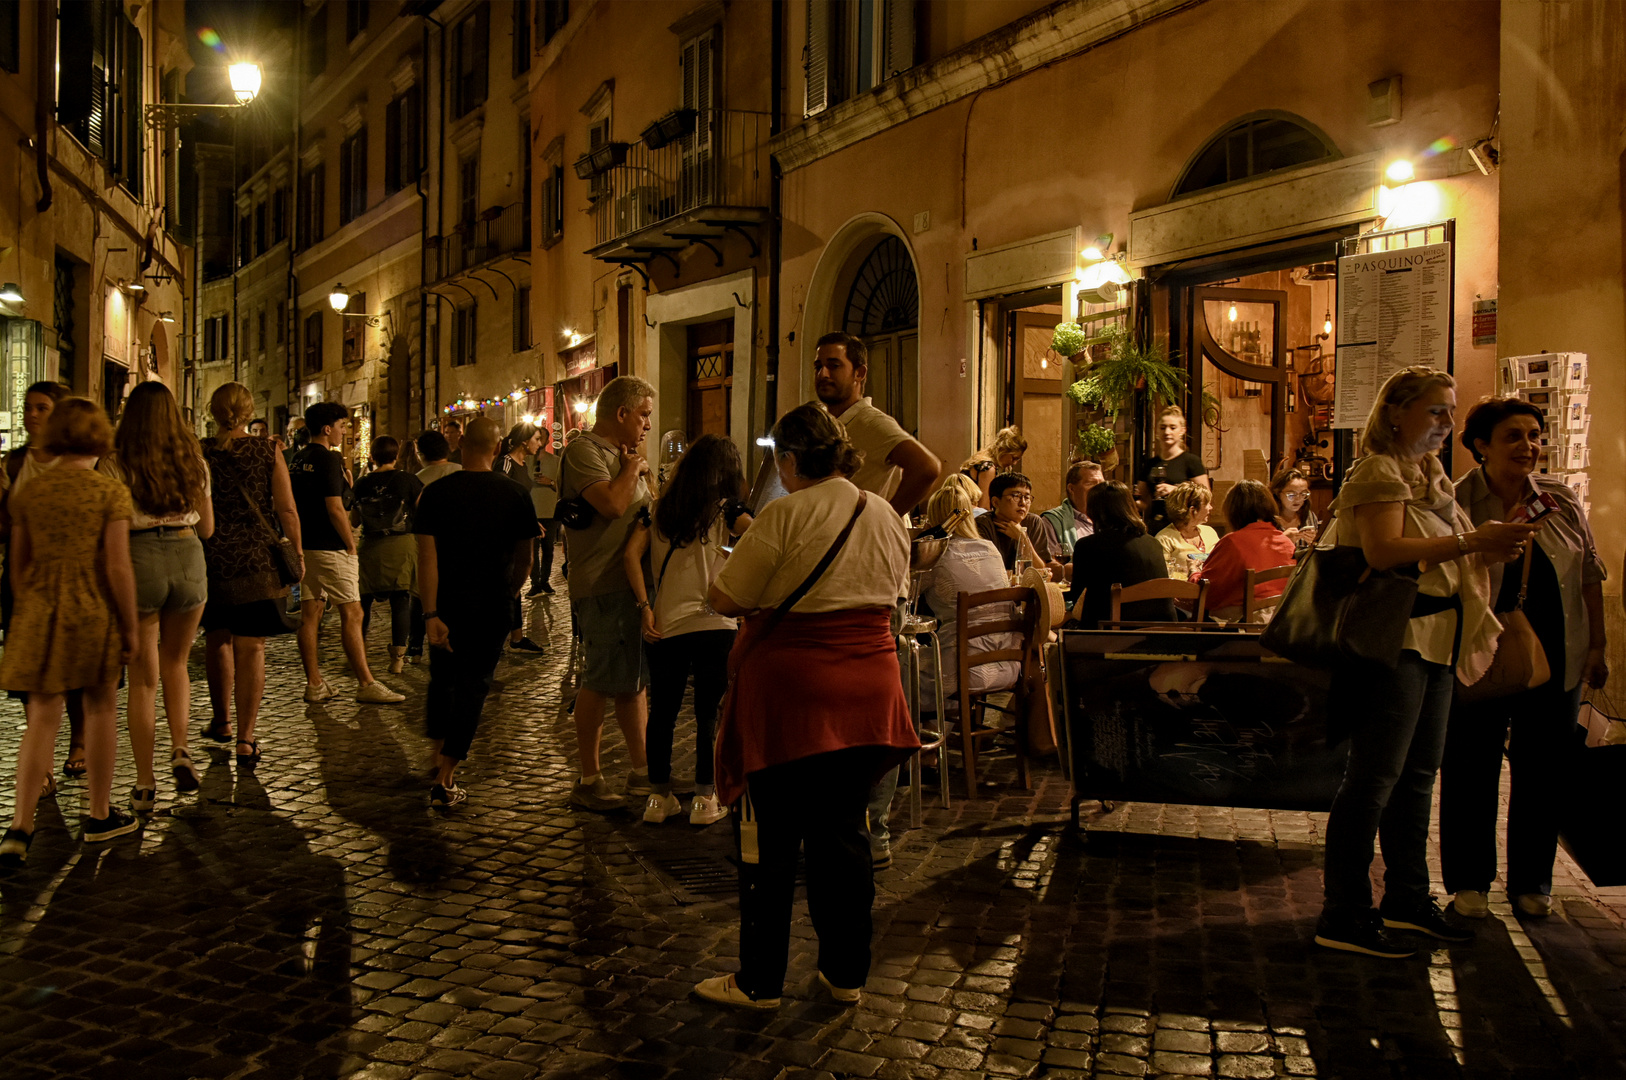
[1541, 752]
[406, 623]
[542, 565]
[460, 679]
[704, 654]
[816, 806]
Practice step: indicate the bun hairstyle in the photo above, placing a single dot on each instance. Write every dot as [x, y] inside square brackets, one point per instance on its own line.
[1399, 391]
[819, 442]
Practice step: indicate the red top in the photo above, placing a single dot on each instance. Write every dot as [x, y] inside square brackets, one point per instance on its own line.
[815, 683]
[1260, 546]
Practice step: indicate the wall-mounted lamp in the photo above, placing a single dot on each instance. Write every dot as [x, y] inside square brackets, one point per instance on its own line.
[245, 87]
[10, 293]
[580, 406]
[1400, 171]
[339, 299]
[1097, 251]
[165, 316]
[135, 286]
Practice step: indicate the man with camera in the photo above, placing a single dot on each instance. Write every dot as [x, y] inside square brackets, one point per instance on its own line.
[601, 491]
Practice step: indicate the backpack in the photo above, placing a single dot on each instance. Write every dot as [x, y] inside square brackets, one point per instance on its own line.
[383, 513]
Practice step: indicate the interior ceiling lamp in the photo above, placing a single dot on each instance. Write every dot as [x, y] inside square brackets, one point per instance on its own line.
[10, 293]
[1097, 251]
[1230, 316]
[245, 87]
[1326, 327]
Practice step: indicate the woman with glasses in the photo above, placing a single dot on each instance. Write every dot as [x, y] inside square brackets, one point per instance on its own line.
[1294, 515]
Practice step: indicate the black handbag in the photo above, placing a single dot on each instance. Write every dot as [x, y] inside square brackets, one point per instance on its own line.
[1337, 609]
[574, 513]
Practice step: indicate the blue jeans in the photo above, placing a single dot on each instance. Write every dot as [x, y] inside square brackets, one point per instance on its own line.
[1542, 748]
[1397, 721]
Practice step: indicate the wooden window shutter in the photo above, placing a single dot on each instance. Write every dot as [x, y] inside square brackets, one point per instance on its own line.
[899, 46]
[818, 57]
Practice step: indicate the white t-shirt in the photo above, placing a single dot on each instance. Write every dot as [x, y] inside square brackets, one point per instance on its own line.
[876, 435]
[430, 473]
[32, 467]
[139, 518]
[792, 535]
[680, 591]
[969, 566]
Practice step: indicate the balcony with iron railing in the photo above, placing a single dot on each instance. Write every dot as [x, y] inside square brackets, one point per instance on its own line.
[498, 232]
[693, 178]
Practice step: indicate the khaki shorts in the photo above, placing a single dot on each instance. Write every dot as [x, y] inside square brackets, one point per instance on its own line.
[333, 576]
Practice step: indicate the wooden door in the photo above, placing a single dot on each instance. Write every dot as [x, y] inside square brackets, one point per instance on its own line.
[1039, 401]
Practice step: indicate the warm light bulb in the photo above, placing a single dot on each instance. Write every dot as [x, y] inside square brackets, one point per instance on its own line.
[1231, 315]
[1093, 254]
[339, 298]
[1326, 327]
[1400, 171]
[581, 406]
[1044, 363]
[10, 293]
[245, 82]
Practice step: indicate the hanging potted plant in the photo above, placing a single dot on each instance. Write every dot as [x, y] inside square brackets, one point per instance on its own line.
[1111, 382]
[1099, 443]
[1068, 340]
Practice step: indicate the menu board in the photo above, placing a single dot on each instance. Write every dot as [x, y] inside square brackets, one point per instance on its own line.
[1394, 311]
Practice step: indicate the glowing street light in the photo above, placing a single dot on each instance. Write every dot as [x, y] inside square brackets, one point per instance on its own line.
[245, 82]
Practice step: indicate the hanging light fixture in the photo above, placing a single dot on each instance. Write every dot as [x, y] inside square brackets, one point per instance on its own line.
[1230, 316]
[339, 298]
[10, 293]
[1326, 327]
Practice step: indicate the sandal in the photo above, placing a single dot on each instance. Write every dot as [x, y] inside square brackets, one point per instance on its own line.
[48, 789]
[75, 765]
[250, 759]
[186, 773]
[14, 848]
[219, 730]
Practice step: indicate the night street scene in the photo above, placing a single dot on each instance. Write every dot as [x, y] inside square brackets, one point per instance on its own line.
[813, 539]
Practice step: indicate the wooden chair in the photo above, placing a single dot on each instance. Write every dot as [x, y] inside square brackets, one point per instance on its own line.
[1160, 589]
[975, 703]
[1251, 602]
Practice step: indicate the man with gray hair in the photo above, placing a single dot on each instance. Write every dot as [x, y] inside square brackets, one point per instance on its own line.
[604, 468]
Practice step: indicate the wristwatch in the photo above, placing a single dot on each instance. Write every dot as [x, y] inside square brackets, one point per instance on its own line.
[643, 605]
[430, 615]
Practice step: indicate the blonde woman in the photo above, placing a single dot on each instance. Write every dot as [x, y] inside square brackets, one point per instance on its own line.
[1398, 506]
[1169, 465]
[1003, 455]
[969, 564]
[156, 455]
[1188, 538]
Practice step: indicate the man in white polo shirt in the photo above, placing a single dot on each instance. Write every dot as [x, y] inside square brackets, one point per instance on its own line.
[896, 467]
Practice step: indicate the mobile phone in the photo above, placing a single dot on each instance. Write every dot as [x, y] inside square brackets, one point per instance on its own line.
[1536, 507]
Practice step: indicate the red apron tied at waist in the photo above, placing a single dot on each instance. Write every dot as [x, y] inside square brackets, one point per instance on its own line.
[812, 684]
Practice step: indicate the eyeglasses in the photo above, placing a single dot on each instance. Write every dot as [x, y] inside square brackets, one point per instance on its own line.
[1295, 496]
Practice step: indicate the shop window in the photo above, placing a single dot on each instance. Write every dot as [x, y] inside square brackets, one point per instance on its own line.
[522, 318]
[854, 46]
[353, 177]
[403, 140]
[1255, 145]
[316, 43]
[463, 336]
[313, 343]
[471, 42]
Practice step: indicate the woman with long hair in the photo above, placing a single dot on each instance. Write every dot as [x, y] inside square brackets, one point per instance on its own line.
[1399, 508]
[1119, 552]
[523, 442]
[1003, 455]
[75, 623]
[686, 540]
[388, 559]
[250, 486]
[1294, 514]
[156, 455]
[817, 714]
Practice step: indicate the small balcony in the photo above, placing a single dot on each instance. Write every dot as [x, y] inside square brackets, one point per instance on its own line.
[497, 232]
[694, 188]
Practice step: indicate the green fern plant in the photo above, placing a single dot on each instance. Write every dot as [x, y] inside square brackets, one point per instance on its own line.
[1111, 383]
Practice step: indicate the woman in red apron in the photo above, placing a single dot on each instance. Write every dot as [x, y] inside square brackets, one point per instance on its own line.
[815, 713]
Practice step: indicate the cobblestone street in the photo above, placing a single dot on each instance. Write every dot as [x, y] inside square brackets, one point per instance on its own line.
[316, 919]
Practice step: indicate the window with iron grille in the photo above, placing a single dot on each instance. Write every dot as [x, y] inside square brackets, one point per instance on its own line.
[463, 336]
[316, 43]
[522, 37]
[355, 18]
[312, 195]
[471, 44]
[313, 343]
[403, 140]
[353, 177]
[522, 318]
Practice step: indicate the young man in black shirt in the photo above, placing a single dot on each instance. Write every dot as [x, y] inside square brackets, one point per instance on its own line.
[332, 574]
[1170, 465]
[476, 531]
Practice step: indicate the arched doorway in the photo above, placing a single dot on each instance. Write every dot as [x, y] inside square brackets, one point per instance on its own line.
[883, 308]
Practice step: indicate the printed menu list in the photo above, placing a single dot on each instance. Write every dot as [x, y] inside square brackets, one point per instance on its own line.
[1394, 311]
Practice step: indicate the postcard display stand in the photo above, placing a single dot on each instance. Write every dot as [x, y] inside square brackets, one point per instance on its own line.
[1556, 383]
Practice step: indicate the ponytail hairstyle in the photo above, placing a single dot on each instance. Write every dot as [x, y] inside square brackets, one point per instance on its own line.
[708, 474]
[518, 436]
[819, 442]
[158, 453]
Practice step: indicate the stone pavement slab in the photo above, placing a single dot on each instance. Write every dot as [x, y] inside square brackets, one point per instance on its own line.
[316, 919]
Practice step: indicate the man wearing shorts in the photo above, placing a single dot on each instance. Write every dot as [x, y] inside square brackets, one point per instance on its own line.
[604, 467]
[332, 573]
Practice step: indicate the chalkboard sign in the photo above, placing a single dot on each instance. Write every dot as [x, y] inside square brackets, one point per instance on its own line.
[1211, 719]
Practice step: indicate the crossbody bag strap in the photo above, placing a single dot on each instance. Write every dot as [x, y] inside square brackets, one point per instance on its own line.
[812, 579]
[1524, 580]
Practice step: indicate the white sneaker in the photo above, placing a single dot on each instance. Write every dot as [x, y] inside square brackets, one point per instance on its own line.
[376, 693]
[1471, 904]
[706, 810]
[661, 807]
[1536, 905]
[318, 691]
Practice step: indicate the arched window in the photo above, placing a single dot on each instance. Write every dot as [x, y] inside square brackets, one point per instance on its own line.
[885, 297]
[1252, 146]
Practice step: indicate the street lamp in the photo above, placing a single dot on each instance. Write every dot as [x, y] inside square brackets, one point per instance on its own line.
[245, 87]
[338, 299]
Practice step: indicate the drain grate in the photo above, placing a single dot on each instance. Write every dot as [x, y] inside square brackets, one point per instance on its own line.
[702, 875]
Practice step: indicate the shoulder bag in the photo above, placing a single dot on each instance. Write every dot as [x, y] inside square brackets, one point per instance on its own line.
[1520, 662]
[1337, 609]
[282, 548]
[574, 513]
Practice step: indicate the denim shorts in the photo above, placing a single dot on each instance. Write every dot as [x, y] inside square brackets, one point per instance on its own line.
[169, 571]
[612, 644]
